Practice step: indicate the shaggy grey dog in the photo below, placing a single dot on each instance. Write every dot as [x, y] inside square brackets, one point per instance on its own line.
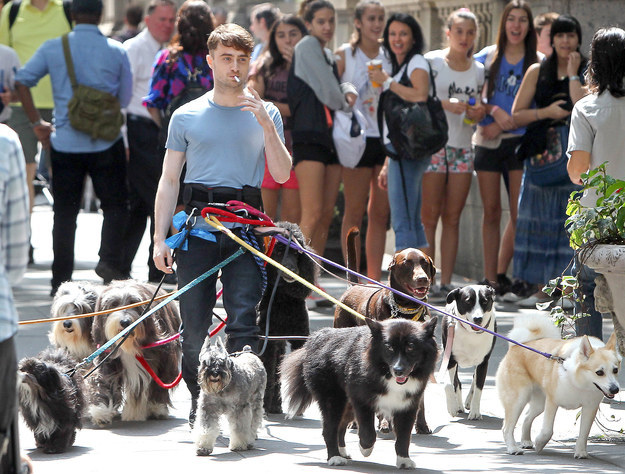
[232, 386]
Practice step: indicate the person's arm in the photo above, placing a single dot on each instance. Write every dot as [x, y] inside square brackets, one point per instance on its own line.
[311, 66]
[522, 113]
[419, 78]
[41, 128]
[164, 206]
[15, 225]
[155, 114]
[339, 54]
[125, 82]
[278, 158]
[579, 163]
[576, 89]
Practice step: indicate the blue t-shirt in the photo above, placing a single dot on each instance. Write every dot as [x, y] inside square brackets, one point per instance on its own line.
[224, 146]
[507, 84]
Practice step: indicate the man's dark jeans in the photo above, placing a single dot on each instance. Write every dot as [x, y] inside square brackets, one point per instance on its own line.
[593, 324]
[107, 170]
[242, 284]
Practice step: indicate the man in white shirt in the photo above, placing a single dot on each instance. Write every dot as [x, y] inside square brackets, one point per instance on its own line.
[144, 160]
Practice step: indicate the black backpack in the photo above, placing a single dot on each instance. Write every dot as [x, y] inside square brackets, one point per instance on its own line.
[192, 90]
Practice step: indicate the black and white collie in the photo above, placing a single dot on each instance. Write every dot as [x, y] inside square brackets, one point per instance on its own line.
[74, 298]
[383, 368]
[122, 378]
[471, 347]
[51, 402]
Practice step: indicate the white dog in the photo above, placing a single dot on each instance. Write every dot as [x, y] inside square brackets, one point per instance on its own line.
[588, 373]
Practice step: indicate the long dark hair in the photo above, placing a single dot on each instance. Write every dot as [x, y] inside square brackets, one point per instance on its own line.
[563, 24]
[606, 69]
[276, 61]
[417, 36]
[194, 24]
[502, 41]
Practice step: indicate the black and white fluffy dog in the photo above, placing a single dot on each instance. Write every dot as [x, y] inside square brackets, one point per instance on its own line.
[288, 313]
[74, 298]
[471, 347]
[51, 402]
[383, 368]
[121, 378]
[232, 386]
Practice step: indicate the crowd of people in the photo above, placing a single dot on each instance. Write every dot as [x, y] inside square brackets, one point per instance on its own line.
[524, 85]
[498, 102]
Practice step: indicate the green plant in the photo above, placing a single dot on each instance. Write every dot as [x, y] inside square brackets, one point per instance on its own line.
[603, 223]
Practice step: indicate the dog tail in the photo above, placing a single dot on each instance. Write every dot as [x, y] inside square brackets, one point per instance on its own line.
[352, 254]
[296, 395]
[532, 327]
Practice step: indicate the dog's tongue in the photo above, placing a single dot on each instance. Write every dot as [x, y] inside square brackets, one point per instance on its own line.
[401, 380]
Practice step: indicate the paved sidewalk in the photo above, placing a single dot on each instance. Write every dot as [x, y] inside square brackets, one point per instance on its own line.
[457, 445]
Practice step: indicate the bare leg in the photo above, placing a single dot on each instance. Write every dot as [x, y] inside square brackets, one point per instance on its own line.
[378, 212]
[506, 251]
[432, 206]
[490, 188]
[270, 202]
[290, 207]
[356, 192]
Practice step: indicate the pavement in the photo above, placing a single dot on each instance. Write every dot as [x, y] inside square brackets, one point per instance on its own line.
[457, 445]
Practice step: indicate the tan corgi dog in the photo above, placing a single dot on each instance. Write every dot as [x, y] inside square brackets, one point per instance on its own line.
[588, 372]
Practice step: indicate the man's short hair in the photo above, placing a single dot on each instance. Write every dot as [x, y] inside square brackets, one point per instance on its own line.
[544, 19]
[87, 7]
[134, 14]
[231, 36]
[268, 11]
[157, 3]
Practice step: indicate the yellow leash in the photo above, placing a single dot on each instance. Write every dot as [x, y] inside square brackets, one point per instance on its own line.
[213, 221]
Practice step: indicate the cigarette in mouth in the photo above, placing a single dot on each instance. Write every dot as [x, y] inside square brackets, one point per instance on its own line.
[236, 78]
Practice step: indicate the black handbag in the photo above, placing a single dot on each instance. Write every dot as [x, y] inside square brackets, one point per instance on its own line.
[416, 130]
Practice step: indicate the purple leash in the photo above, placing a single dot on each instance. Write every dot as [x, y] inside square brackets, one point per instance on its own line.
[297, 246]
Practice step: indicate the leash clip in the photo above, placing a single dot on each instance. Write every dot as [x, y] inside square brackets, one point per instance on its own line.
[558, 359]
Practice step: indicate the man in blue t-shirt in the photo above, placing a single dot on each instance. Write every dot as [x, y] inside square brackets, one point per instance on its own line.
[224, 138]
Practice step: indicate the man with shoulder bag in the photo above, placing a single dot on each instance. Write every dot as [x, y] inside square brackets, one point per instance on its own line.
[91, 81]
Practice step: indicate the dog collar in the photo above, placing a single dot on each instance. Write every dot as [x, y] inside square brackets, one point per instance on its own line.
[396, 310]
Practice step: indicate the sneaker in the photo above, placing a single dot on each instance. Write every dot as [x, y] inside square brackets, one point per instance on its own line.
[523, 289]
[532, 301]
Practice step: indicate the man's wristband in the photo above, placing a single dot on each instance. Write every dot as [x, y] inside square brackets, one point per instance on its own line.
[574, 78]
[386, 85]
[37, 123]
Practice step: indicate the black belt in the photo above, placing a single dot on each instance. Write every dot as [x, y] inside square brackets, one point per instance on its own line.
[199, 196]
[141, 119]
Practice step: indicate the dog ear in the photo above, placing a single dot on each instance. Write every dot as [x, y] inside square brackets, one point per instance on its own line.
[611, 345]
[375, 327]
[586, 348]
[430, 326]
[453, 295]
[220, 345]
[433, 269]
[205, 346]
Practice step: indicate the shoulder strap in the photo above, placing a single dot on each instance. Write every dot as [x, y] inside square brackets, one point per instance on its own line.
[68, 61]
[15, 9]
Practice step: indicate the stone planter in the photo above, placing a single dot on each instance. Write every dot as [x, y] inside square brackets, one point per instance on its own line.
[609, 261]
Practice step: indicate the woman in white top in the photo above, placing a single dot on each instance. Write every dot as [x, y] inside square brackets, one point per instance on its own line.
[403, 42]
[360, 184]
[446, 183]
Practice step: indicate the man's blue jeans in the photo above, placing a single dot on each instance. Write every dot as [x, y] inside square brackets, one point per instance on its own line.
[242, 284]
[406, 221]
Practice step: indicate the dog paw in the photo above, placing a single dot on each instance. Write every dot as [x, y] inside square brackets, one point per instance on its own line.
[514, 450]
[238, 447]
[385, 426]
[541, 442]
[343, 452]
[337, 461]
[527, 444]
[475, 416]
[405, 463]
[101, 415]
[423, 429]
[366, 452]
[203, 451]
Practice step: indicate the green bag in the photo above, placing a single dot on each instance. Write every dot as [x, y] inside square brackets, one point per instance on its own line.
[91, 111]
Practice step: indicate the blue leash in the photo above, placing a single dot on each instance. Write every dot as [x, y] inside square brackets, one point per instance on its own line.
[170, 298]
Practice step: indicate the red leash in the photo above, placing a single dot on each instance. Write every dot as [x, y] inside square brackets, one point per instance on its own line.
[160, 383]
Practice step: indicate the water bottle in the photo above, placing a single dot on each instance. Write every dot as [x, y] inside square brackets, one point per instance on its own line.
[466, 119]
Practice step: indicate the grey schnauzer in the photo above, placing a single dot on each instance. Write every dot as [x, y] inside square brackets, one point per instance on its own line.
[234, 386]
